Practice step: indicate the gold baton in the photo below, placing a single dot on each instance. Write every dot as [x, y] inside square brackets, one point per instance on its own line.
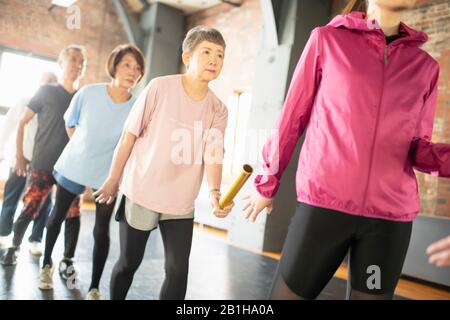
[247, 171]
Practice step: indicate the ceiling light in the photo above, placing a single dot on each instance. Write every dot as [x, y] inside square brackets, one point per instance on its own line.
[63, 3]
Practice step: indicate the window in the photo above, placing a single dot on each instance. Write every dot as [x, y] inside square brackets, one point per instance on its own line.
[238, 116]
[20, 74]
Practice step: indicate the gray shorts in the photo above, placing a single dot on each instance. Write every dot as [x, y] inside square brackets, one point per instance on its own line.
[144, 219]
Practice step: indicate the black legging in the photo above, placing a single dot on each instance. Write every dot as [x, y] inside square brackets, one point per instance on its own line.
[72, 230]
[177, 239]
[318, 239]
[103, 213]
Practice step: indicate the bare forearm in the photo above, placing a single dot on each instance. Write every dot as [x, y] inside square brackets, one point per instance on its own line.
[214, 175]
[25, 118]
[70, 131]
[19, 140]
[121, 155]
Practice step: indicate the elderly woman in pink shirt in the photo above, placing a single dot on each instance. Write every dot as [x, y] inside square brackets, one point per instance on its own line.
[173, 134]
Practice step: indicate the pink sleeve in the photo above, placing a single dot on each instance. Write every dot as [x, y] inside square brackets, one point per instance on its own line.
[142, 111]
[214, 145]
[220, 119]
[293, 119]
[426, 156]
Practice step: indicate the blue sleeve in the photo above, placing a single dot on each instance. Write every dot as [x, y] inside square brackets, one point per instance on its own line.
[72, 115]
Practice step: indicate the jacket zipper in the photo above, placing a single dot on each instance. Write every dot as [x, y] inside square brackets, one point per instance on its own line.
[385, 56]
[372, 151]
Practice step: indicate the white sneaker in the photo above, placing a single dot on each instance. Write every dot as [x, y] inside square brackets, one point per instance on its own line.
[94, 294]
[4, 242]
[46, 278]
[35, 249]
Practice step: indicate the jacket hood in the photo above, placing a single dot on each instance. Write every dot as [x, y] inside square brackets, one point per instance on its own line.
[356, 20]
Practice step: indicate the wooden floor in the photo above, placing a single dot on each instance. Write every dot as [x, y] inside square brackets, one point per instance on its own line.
[230, 272]
[217, 271]
[407, 288]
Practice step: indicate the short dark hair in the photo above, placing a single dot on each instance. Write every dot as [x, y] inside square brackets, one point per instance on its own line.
[199, 34]
[118, 53]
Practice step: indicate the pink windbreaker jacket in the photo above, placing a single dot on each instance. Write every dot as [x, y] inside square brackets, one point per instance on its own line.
[369, 109]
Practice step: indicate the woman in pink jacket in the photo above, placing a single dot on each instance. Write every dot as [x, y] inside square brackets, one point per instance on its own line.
[367, 94]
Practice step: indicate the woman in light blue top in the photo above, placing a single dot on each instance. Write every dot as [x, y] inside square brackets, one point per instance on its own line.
[94, 122]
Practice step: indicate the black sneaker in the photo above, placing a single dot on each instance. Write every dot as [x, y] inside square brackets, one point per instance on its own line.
[10, 257]
[67, 269]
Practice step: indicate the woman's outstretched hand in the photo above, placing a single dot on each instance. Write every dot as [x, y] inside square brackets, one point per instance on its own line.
[440, 252]
[254, 204]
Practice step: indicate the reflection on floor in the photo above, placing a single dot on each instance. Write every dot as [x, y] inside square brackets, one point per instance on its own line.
[217, 271]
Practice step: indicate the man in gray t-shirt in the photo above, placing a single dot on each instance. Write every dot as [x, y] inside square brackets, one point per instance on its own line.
[49, 104]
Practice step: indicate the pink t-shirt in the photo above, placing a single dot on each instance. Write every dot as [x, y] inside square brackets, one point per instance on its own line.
[176, 136]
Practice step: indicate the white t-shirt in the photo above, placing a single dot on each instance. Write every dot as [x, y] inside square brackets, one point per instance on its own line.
[8, 133]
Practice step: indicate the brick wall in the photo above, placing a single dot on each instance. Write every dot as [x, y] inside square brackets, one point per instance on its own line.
[242, 26]
[28, 25]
